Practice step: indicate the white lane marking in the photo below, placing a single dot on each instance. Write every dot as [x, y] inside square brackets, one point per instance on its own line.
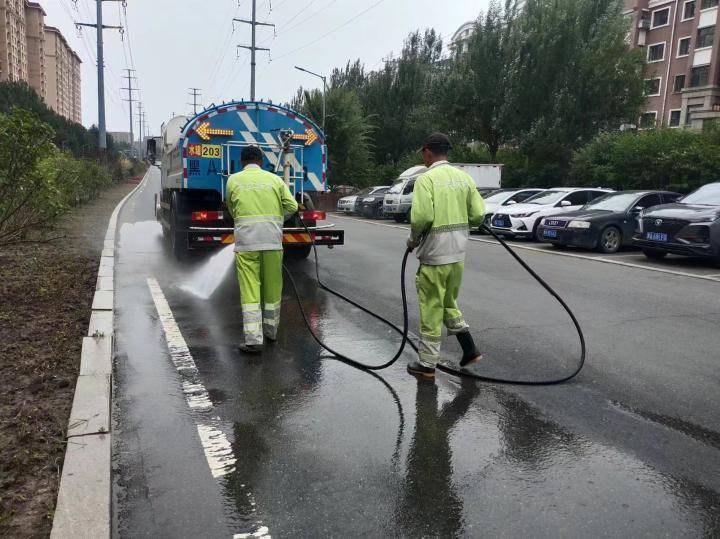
[217, 448]
[712, 278]
[261, 532]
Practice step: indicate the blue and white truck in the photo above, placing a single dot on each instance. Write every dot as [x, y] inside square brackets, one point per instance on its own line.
[199, 153]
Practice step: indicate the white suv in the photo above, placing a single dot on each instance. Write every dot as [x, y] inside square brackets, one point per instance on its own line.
[522, 220]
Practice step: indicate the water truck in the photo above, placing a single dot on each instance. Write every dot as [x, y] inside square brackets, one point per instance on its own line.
[199, 154]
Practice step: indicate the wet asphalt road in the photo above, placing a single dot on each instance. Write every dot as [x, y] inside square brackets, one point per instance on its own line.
[315, 448]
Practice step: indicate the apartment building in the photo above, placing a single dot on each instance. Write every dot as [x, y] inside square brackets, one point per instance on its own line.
[13, 47]
[682, 78]
[38, 54]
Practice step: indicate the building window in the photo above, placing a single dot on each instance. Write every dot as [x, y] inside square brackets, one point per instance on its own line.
[679, 83]
[684, 47]
[652, 87]
[648, 120]
[674, 118]
[656, 53]
[700, 76]
[706, 4]
[661, 17]
[705, 37]
[689, 10]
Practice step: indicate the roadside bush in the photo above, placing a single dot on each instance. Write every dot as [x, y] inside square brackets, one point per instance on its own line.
[39, 182]
[673, 159]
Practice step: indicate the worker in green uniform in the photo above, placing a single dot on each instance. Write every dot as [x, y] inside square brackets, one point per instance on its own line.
[445, 204]
[259, 202]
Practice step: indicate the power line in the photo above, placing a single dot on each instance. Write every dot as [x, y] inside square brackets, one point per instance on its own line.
[343, 25]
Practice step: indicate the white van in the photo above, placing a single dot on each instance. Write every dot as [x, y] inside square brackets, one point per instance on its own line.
[398, 200]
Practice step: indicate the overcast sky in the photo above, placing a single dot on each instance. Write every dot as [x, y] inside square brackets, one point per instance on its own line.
[177, 44]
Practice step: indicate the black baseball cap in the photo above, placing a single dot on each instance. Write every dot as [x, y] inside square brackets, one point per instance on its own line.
[251, 154]
[437, 142]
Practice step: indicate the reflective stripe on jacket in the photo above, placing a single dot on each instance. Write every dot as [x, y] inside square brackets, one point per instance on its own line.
[445, 204]
[258, 200]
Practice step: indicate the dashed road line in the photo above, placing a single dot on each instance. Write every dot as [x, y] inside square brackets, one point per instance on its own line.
[216, 446]
[713, 278]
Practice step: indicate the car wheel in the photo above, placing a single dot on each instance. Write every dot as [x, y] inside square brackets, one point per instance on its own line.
[367, 213]
[653, 254]
[560, 246]
[398, 218]
[178, 238]
[536, 232]
[610, 240]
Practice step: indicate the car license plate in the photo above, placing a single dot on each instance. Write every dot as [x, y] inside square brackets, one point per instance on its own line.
[550, 233]
[656, 236]
[500, 223]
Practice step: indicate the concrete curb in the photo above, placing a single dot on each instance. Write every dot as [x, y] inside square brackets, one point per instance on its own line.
[84, 497]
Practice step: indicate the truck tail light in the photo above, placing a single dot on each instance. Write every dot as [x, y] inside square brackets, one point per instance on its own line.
[206, 216]
[313, 216]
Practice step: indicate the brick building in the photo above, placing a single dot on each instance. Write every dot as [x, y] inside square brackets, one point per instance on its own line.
[683, 73]
[38, 54]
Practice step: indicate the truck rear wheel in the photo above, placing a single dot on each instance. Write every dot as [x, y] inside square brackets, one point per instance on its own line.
[178, 238]
[298, 253]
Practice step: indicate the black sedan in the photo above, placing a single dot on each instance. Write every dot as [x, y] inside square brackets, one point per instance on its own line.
[606, 224]
[371, 205]
[690, 228]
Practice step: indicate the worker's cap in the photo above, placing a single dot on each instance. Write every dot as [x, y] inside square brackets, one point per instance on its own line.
[251, 153]
[437, 142]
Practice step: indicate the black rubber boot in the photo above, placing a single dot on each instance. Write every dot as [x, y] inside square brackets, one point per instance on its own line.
[470, 352]
[251, 348]
[418, 369]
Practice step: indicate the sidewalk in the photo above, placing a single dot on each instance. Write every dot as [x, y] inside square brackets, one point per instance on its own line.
[46, 291]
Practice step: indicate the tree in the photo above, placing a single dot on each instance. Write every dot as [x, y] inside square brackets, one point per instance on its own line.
[348, 132]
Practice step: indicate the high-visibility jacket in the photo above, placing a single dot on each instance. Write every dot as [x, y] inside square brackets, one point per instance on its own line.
[258, 200]
[445, 204]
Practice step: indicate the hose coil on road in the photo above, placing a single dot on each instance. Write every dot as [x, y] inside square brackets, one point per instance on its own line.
[458, 371]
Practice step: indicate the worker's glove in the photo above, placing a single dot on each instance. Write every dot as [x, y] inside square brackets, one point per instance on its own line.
[412, 244]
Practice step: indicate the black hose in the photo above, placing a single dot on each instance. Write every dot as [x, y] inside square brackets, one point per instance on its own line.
[405, 329]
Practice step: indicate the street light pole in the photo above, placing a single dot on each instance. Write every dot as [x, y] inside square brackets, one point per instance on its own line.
[324, 80]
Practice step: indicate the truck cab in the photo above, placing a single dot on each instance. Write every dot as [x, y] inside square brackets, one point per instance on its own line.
[200, 153]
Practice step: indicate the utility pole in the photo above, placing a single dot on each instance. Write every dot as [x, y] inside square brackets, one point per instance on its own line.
[99, 26]
[252, 48]
[130, 101]
[140, 127]
[195, 93]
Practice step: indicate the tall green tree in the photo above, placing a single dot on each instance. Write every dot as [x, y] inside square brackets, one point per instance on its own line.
[348, 131]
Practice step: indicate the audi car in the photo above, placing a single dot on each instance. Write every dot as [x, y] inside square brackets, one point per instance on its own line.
[690, 227]
[503, 198]
[607, 224]
[523, 220]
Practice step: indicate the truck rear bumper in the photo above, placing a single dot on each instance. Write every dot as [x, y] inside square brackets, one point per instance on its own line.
[202, 237]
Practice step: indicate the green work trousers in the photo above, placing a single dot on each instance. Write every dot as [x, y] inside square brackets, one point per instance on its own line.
[261, 282]
[437, 289]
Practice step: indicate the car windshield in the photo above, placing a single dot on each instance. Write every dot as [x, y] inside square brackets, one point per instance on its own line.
[547, 197]
[707, 195]
[365, 191]
[380, 190]
[613, 202]
[498, 197]
[396, 188]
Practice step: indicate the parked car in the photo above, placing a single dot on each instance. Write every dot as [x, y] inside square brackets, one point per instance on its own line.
[606, 224]
[347, 204]
[503, 198]
[398, 199]
[523, 220]
[371, 205]
[690, 227]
